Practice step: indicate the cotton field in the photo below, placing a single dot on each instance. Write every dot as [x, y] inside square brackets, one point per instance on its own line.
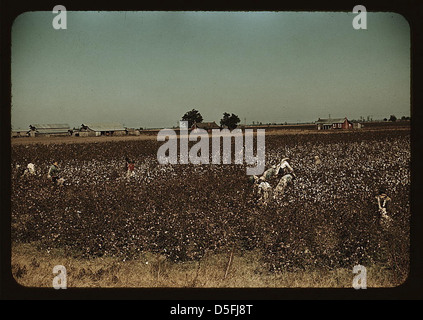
[327, 218]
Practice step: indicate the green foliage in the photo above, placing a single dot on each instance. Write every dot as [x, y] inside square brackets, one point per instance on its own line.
[230, 121]
[192, 116]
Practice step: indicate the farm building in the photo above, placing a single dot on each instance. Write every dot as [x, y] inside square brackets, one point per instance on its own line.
[132, 132]
[357, 125]
[102, 129]
[49, 130]
[205, 125]
[339, 123]
[20, 133]
[75, 132]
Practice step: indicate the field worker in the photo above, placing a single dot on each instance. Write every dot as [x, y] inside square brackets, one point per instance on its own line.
[255, 181]
[130, 168]
[285, 168]
[317, 160]
[264, 191]
[287, 176]
[30, 170]
[53, 172]
[283, 183]
[382, 202]
[271, 172]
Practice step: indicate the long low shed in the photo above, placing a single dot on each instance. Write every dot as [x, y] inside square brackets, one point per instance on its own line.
[99, 129]
[20, 133]
[49, 129]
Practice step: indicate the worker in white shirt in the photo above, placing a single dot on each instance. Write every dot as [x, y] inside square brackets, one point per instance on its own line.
[30, 170]
[382, 202]
[285, 168]
[264, 191]
[287, 176]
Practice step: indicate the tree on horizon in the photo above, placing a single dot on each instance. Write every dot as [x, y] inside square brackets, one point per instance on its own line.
[192, 116]
[230, 121]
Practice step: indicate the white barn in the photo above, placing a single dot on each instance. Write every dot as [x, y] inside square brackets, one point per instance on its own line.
[102, 129]
[49, 130]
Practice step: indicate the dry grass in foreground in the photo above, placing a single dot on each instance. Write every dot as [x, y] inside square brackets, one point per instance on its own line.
[33, 268]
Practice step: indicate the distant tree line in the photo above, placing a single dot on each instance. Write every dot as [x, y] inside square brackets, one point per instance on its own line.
[393, 118]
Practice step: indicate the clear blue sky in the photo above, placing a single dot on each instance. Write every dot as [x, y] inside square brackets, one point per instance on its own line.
[146, 69]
